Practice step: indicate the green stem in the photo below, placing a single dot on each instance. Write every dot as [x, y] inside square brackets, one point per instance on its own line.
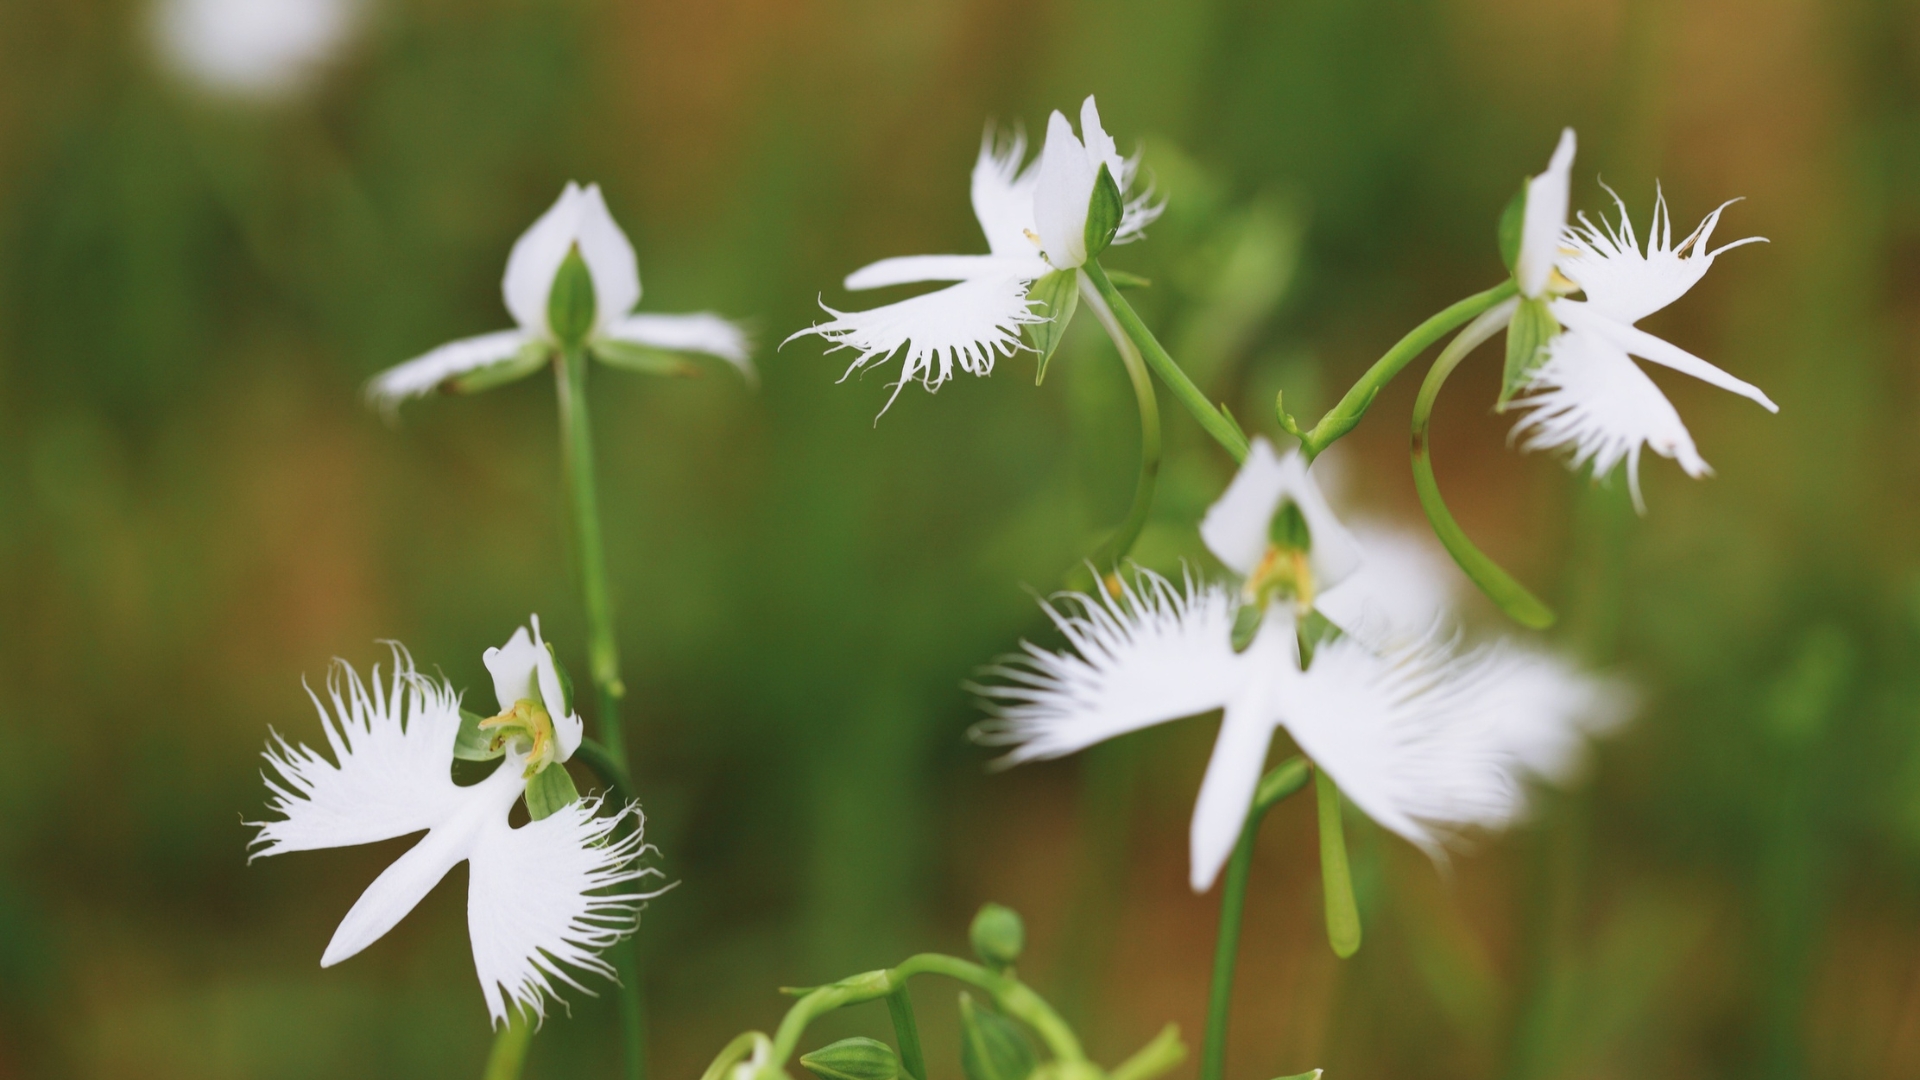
[906, 1032]
[1116, 546]
[1285, 779]
[1215, 420]
[509, 1053]
[1499, 586]
[1347, 413]
[603, 655]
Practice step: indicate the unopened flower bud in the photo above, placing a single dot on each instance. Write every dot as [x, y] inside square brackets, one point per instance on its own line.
[858, 1058]
[998, 935]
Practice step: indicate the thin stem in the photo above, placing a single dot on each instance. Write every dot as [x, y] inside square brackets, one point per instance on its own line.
[1117, 545]
[906, 1032]
[1216, 422]
[1347, 413]
[603, 655]
[1285, 779]
[509, 1053]
[1499, 586]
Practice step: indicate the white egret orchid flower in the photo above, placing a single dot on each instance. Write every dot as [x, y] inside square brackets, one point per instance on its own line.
[253, 49]
[1584, 393]
[1424, 739]
[1034, 217]
[578, 223]
[541, 899]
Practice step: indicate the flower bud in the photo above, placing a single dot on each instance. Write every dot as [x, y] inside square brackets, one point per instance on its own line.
[998, 935]
[858, 1058]
[992, 1046]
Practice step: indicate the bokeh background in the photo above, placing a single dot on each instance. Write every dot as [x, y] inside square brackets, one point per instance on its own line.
[196, 511]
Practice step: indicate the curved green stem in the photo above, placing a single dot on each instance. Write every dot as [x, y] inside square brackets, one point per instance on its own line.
[1116, 546]
[743, 1045]
[1215, 420]
[1347, 413]
[509, 1054]
[1285, 779]
[1499, 586]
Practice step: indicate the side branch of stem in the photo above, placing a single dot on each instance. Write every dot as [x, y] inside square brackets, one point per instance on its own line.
[1216, 422]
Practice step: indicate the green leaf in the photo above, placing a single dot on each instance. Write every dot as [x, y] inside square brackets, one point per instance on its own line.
[532, 356]
[1513, 222]
[645, 359]
[858, 1058]
[991, 1046]
[1059, 295]
[1123, 280]
[1104, 211]
[566, 684]
[472, 744]
[1527, 336]
[998, 936]
[549, 790]
[1343, 915]
[570, 306]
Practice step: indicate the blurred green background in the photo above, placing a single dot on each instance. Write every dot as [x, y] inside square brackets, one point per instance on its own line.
[197, 511]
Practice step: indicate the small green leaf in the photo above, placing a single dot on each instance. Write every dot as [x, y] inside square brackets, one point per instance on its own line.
[1058, 294]
[472, 744]
[858, 1058]
[998, 936]
[532, 356]
[1532, 327]
[566, 684]
[570, 306]
[1246, 625]
[1104, 211]
[549, 790]
[991, 1046]
[1513, 222]
[1123, 280]
[645, 359]
[1343, 915]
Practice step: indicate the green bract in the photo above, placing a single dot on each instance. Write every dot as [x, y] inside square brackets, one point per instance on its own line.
[1288, 529]
[570, 306]
[532, 356]
[548, 790]
[858, 1058]
[991, 1046]
[1059, 295]
[1532, 327]
[642, 358]
[1512, 222]
[1104, 212]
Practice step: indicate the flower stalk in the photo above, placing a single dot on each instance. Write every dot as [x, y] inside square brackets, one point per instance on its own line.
[509, 1053]
[1121, 541]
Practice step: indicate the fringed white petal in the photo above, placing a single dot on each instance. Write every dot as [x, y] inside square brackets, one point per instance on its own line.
[392, 740]
[610, 260]
[1543, 710]
[1239, 752]
[1578, 316]
[1157, 652]
[1627, 283]
[912, 269]
[1405, 736]
[1591, 400]
[1236, 526]
[1545, 219]
[1003, 194]
[965, 326]
[424, 374]
[701, 332]
[551, 896]
[536, 258]
[1404, 589]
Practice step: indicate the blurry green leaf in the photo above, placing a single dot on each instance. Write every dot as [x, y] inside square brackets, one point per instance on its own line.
[1059, 296]
[1532, 327]
[1336, 879]
[1123, 280]
[549, 790]
[1512, 223]
[1804, 697]
[1104, 212]
[570, 306]
[531, 358]
[644, 359]
[992, 1047]
[857, 1058]
[1246, 625]
[472, 744]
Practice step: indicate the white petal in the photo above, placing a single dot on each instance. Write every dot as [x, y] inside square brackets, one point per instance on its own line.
[1100, 146]
[609, 257]
[1002, 196]
[1543, 710]
[1236, 526]
[568, 729]
[513, 667]
[539, 899]
[1591, 400]
[1239, 754]
[1155, 653]
[536, 258]
[393, 742]
[1060, 195]
[1578, 316]
[1402, 591]
[424, 374]
[1545, 219]
[964, 325]
[1404, 737]
[908, 269]
[1628, 284]
[701, 332]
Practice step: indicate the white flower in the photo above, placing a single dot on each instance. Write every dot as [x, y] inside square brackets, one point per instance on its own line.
[1034, 218]
[260, 49]
[578, 220]
[541, 898]
[1587, 395]
[1425, 739]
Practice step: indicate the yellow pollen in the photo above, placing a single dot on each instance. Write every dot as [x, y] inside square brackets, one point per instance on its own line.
[528, 721]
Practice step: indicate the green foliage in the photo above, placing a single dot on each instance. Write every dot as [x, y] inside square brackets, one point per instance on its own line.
[1532, 327]
[857, 1058]
[1513, 221]
[992, 1047]
[548, 790]
[1104, 212]
[1058, 294]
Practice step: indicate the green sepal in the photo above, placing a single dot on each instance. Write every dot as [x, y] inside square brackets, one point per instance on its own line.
[1123, 280]
[1336, 877]
[1104, 211]
[858, 1058]
[1246, 625]
[571, 304]
[1532, 327]
[530, 358]
[472, 744]
[566, 684]
[998, 936]
[1513, 223]
[549, 790]
[991, 1046]
[1288, 528]
[1059, 294]
[645, 359]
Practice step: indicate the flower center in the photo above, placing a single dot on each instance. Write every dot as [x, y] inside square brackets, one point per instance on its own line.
[1284, 573]
[528, 723]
